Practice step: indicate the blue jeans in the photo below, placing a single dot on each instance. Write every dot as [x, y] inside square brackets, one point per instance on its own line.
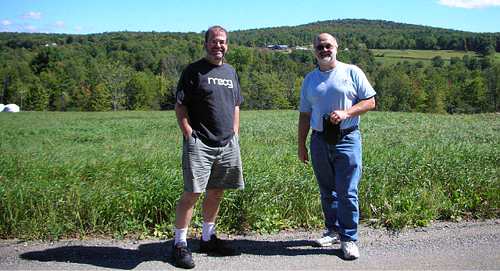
[338, 171]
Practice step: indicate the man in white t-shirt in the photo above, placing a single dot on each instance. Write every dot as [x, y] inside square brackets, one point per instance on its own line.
[332, 98]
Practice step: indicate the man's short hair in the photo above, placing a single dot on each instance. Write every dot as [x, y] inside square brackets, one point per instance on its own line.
[215, 28]
[316, 38]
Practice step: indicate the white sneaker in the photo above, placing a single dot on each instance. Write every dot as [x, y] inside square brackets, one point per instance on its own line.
[329, 238]
[350, 250]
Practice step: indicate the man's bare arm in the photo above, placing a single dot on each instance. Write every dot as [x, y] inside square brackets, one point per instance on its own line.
[356, 110]
[303, 131]
[183, 119]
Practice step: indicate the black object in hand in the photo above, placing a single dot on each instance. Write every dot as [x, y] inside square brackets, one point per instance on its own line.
[331, 132]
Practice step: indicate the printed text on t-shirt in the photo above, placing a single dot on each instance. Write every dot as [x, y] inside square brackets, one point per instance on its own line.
[221, 82]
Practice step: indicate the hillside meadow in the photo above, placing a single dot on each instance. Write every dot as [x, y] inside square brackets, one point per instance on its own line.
[119, 173]
[393, 56]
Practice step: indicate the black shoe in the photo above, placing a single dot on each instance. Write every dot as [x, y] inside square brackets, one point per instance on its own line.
[216, 246]
[182, 256]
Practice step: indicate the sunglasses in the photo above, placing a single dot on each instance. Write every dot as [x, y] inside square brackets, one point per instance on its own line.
[321, 47]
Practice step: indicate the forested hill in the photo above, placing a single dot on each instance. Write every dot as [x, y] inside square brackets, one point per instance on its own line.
[376, 34]
[140, 70]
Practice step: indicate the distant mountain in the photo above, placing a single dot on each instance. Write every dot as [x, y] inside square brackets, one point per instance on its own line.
[140, 70]
[373, 33]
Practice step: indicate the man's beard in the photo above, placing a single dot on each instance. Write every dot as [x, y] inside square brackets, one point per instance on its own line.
[326, 60]
[215, 55]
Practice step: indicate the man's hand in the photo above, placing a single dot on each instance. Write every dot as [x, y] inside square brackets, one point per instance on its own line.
[303, 154]
[363, 106]
[187, 133]
[338, 115]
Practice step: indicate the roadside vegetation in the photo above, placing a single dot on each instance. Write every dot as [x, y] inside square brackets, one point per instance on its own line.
[119, 174]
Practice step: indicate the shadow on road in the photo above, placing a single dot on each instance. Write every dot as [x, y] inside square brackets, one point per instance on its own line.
[283, 248]
[110, 257]
[122, 258]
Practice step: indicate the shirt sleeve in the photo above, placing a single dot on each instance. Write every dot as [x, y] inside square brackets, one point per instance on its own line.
[363, 87]
[304, 105]
[184, 87]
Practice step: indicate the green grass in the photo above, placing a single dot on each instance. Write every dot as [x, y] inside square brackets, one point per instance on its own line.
[78, 174]
[497, 56]
[392, 56]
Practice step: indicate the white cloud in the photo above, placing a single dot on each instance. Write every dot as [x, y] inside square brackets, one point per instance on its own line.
[32, 15]
[30, 28]
[78, 29]
[59, 24]
[470, 3]
[6, 22]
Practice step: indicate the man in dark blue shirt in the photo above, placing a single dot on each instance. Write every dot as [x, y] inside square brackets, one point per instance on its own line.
[208, 99]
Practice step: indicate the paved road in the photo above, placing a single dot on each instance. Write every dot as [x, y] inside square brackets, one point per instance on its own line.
[444, 245]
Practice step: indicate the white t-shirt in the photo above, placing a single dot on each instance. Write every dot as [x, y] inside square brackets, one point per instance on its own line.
[337, 89]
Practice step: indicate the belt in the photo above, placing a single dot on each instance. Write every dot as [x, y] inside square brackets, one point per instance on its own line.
[343, 132]
[349, 130]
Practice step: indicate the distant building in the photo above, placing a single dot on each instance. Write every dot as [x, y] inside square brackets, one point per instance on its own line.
[280, 47]
[301, 48]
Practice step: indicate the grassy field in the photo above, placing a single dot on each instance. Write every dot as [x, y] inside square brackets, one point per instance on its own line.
[391, 56]
[78, 174]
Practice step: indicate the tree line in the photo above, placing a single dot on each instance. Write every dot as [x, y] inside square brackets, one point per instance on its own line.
[139, 71]
[375, 34]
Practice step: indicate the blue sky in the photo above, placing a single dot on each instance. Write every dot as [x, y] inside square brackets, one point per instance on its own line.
[97, 16]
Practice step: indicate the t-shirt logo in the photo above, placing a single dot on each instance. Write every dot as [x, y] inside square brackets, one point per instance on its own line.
[221, 82]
